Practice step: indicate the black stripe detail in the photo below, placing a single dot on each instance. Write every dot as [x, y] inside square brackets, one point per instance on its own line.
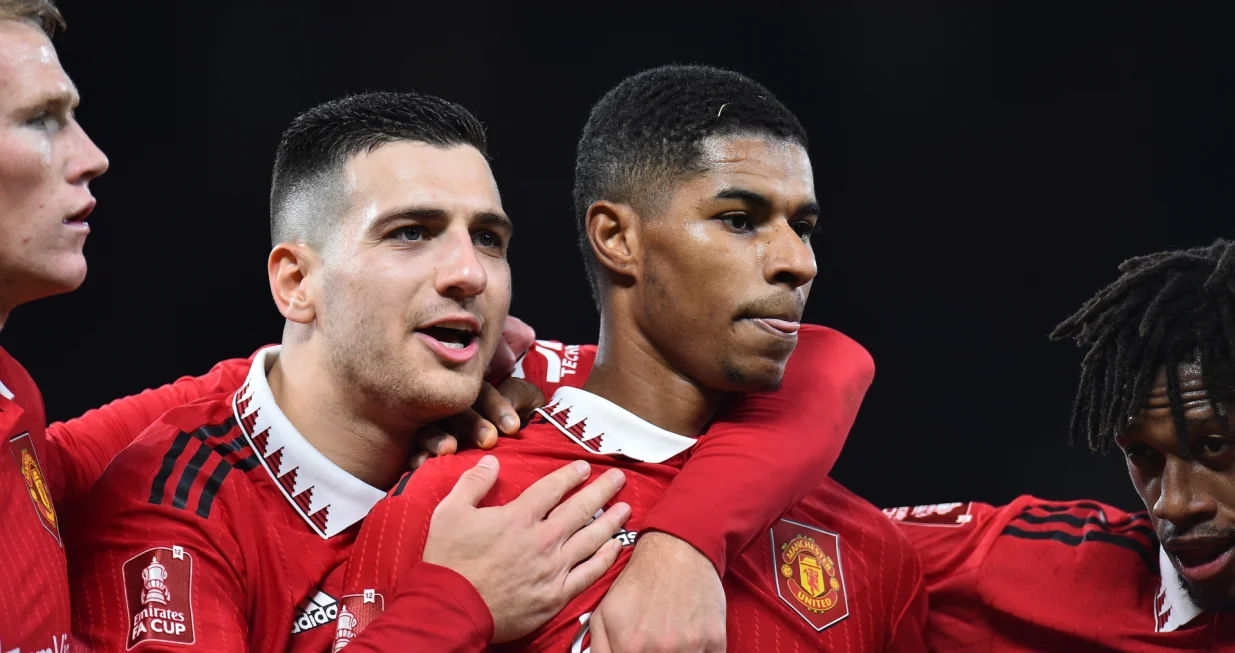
[1128, 543]
[402, 484]
[1073, 520]
[212, 488]
[1136, 516]
[169, 463]
[189, 475]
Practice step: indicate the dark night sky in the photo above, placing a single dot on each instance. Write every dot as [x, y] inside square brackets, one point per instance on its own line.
[983, 171]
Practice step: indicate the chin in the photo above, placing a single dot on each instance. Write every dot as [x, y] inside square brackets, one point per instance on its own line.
[450, 393]
[1217, 596]
[762, 376]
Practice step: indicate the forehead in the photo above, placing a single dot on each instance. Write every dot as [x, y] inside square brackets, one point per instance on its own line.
[29, 67]
[403, 174]
[1155, 420]
[777, 168]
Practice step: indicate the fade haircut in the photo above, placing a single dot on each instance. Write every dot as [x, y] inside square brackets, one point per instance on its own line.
[645, 136]
[1164, 310]
[43, 14]
[305, 192]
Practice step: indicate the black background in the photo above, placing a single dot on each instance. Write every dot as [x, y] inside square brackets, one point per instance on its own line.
[983, 170]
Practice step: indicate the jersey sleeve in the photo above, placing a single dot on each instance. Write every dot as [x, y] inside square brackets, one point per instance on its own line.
[82, 447]
[951, 538]
[147, 575]
[394, 601]
[766, 451]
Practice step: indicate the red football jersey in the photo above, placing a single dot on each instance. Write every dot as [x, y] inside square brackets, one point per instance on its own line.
[34, 597]
[742, 469]
[739, 480]
[1038, 575]
[222, 529]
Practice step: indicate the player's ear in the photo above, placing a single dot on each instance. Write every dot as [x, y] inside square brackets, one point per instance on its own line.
[613, 230]
[290, 267]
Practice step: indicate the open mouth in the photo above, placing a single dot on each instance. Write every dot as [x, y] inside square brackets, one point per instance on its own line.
[79, 218]
[1202, 559]
[451, 337]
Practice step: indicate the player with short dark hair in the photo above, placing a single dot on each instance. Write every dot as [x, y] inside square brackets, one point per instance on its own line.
[702, 279]
[226, 524]
[1157, 382]
[645, 136]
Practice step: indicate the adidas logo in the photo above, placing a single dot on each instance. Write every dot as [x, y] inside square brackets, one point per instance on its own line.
[318, 610]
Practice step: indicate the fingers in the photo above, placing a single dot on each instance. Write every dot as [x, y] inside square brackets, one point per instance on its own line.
[600, 639]
[495, 406]
[576, 511]
[522, 396]
[475, 483]
[586, 574]
[545, 494]
[470, 428]
[588, 540]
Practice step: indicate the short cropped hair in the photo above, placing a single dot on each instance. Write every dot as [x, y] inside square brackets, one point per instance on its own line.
[320, 142]
[40, 13]
[644, 136]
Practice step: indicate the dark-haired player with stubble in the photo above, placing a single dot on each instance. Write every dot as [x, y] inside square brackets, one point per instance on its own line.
[1158, 384]
[695, 201]
[389, 265]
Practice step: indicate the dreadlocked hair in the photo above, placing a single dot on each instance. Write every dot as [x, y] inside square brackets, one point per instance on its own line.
[1164, 310]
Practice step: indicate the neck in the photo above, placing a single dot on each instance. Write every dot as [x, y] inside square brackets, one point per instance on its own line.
[630, 372]
[335, 423]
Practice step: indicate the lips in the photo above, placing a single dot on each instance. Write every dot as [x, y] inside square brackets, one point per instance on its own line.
[1201, 558]
[453, 339]
[80, 215]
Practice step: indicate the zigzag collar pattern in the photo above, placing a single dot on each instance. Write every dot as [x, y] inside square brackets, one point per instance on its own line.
[328, 498]
[602, 427]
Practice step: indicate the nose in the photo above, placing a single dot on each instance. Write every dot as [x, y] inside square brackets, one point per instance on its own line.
[1178, 501]
[87, 161]
[790, 261]
[459, 270]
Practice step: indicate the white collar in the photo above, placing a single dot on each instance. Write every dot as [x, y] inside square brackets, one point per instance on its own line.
[603, 427]
[5, 392]
[327, 497]
[1173, 608]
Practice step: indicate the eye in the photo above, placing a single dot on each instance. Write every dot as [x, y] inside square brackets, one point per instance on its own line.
[741, 222]
[1215, 446]
[1138, 452]
[45, 120]
[804, 229]
[487, 239]
[410, 233]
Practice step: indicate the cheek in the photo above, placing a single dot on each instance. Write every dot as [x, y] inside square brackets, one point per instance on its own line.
[25, 169]
[1146, 486]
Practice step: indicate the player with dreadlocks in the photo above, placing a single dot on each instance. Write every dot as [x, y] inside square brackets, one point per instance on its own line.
[1158, 382]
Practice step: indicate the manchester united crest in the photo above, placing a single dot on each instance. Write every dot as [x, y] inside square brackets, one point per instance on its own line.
[808, 572]
[27, 458]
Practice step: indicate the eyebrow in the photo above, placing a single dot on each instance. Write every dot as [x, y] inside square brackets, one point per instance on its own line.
[60, 98]
[760, 201]
[430, 214]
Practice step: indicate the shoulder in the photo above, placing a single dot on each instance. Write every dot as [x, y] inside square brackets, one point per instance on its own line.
[183, 461]
[550, 364]
[19, 383]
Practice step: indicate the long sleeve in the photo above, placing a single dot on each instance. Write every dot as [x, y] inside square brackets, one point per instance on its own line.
[81, 448]
[423, 607]
[155, 577]
[436, 610]
[765, 451]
